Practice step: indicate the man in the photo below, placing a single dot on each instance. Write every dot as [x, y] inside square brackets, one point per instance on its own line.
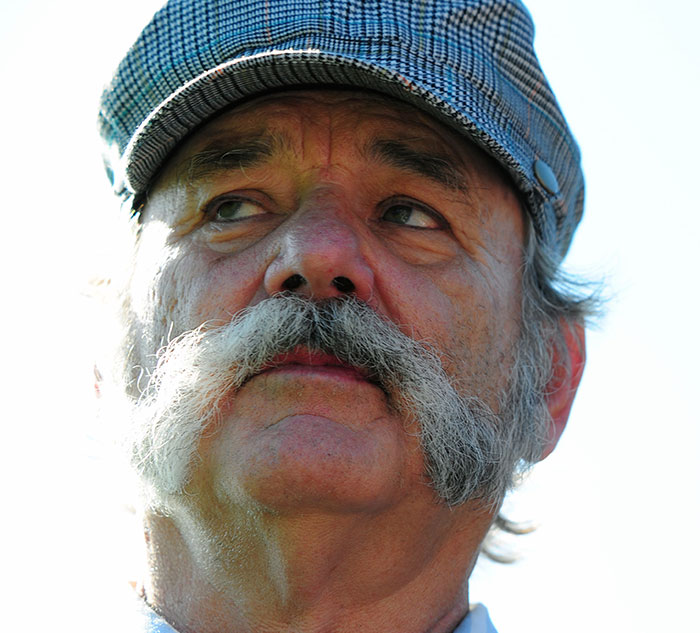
[343, 336]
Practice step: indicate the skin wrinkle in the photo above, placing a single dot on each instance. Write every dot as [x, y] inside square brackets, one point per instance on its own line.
[252, 152]
[422, 251]
[323, 205]
[287, 143]
[454, 289]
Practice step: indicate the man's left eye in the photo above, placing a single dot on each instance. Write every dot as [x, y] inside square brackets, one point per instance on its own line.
[413, 215]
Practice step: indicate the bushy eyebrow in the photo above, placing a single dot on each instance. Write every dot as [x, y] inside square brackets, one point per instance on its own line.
[435, 167]
[224, 155]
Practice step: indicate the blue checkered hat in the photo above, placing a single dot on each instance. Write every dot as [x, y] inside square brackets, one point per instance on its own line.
[469, 63]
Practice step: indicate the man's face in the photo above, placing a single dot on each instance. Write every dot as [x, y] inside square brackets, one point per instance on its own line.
[325, 194]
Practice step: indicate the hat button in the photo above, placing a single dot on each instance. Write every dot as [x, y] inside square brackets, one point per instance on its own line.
[546, 177]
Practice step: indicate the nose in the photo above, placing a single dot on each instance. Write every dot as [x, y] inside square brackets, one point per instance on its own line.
[320, 256]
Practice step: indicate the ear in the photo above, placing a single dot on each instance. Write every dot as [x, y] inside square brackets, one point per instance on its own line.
[564, 382]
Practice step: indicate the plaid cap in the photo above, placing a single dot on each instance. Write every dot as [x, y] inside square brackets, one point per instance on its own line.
[468, 63]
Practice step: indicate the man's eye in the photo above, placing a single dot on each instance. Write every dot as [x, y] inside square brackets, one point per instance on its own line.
[231, 209]
[413, 215]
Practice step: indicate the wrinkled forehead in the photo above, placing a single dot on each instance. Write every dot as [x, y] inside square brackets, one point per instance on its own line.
[357, 122]
[332, 107]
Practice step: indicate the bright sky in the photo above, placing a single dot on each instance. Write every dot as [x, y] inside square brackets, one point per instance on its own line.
[617, 503]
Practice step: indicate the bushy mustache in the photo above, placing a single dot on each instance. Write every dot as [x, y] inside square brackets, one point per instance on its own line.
[228, 355]
[197, 372]
[337, 327]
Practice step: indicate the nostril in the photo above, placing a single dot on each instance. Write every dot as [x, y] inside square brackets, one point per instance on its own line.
[293, 282]
[343, 284]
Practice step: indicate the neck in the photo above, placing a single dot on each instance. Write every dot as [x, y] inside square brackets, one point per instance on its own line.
[259, 571]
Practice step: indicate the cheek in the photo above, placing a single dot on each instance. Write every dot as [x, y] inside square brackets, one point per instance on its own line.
[151, 308]
[469, 314]
[486, 329]
[200, 285]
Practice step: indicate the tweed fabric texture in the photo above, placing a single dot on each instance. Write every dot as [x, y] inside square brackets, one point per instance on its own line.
[469, 63]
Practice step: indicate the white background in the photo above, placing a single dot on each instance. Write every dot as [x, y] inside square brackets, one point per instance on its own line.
[617, 504]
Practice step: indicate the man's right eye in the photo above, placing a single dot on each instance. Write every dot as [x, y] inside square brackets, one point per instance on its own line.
[233, 209]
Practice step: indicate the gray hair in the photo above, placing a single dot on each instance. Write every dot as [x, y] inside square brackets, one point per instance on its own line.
[552, 303]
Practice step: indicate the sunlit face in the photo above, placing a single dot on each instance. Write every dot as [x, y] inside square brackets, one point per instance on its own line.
[326, 193]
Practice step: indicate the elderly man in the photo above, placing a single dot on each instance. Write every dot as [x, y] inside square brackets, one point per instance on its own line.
[343, 334]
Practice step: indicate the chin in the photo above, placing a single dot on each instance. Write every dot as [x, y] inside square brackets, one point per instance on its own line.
[307, 462]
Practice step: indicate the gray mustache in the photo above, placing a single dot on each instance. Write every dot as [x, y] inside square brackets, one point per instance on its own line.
[343, 327]
[468, 453]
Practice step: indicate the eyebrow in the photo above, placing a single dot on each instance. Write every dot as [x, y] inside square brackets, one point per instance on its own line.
[435, 167]
[224, 155]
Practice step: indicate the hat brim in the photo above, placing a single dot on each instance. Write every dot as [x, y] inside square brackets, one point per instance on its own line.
[245, 77]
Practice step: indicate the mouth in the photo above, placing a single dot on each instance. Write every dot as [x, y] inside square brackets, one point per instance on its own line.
[302, 362]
